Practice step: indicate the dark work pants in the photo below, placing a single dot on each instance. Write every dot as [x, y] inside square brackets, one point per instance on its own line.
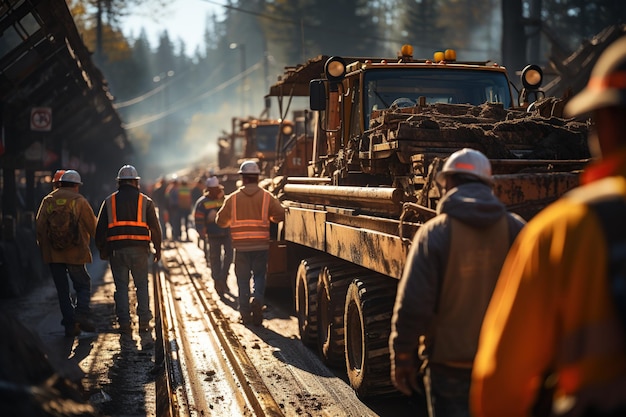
[81, 281]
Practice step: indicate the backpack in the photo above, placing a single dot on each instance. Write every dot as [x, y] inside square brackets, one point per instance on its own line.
[62, 224]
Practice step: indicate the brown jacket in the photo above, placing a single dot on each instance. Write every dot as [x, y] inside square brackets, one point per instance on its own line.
[75, 255]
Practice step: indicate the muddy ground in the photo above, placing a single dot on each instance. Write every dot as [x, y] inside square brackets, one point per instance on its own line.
[117, 372]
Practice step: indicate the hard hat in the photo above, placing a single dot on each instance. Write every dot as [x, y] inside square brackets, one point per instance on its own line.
[71, 176]
[212, 182]
[57, 175]
[469, 162]
[249, 168]
[127, 172]
[402, 102]
[606, 86]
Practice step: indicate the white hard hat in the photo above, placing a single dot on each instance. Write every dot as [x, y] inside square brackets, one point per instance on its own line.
[71, 176]
[212, 182]
[249, 167]
[128, 172]
[469, 162]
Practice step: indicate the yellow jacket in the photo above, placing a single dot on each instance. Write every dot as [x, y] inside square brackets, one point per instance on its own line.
[74, 255]
[552, 311]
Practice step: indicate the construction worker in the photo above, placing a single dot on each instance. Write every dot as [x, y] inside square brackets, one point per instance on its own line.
[553, 341]
[159, 198]
[185, 205]
[248, 212]
[218, 246]
[67, 250]
[56, 179]
[173, 209]
[450, 273]
[127, 224]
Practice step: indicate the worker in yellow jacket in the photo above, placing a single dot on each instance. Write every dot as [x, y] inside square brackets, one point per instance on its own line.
[552, 340]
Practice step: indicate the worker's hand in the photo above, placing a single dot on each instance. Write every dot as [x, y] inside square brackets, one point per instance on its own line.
[405, 374]
[157, 255]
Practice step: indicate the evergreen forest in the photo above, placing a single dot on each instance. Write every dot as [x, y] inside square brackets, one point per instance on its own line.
[175, 103]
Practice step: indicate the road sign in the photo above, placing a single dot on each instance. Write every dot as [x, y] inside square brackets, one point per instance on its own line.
[41, 119]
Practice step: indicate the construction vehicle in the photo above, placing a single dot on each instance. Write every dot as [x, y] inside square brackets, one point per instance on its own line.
[251, 138]
[383, 128]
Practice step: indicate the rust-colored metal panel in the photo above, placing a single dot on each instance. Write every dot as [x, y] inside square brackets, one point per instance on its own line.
[527, 194]
[306, 227]
[277, 275]
[277, 263]
[380, 252]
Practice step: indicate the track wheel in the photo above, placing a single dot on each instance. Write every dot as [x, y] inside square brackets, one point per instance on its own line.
[331, 295]
[367, 321]
[305, 299]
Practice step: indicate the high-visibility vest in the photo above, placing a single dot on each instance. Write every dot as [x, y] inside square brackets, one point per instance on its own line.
[137, 229]
[251, 229]
[184, 198]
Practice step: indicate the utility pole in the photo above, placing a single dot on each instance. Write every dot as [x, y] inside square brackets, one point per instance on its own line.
[244, 77]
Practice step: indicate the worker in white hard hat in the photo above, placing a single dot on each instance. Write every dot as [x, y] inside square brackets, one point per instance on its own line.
[248, 212]
[450, 273]
[127, 225]
[558, 313]
[65, 225]
[218, 243]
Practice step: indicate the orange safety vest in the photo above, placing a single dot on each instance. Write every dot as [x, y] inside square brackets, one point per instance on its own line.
[251, 229]
[127, 229]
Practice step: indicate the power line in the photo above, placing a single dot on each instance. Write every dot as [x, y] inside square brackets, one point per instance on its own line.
[140, 98]
[181, 104]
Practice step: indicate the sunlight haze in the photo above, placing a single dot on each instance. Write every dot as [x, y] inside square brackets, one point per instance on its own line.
[183, 19]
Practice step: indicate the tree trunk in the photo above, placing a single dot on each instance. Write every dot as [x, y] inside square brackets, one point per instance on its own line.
[513, 37]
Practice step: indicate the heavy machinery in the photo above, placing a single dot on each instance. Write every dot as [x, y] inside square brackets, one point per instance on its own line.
[383, 128]
[251, 138]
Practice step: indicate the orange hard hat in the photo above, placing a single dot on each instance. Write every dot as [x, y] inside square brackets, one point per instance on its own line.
[57, 175]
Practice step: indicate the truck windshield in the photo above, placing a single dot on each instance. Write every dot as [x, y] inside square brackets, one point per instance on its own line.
[404, 87]
[266, 137]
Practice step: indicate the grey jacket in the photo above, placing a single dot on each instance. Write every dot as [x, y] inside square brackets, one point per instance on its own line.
[450, 273]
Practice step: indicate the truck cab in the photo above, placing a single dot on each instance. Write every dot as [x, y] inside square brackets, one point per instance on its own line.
[355, 92]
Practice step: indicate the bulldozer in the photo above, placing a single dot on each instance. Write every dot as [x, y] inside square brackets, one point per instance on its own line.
[383, 128]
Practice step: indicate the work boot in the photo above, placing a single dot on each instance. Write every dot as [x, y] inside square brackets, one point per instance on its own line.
[246, 318]
[257, 311]
[85, 324]
[72, 330]
[220, 288]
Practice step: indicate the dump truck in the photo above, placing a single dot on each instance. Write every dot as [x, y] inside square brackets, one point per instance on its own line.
[383, 128]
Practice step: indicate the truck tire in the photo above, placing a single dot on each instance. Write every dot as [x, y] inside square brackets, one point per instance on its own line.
[367, 322]
[332, 287]
[305, 298]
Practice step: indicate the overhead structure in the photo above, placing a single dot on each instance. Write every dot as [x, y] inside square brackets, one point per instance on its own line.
[56, 108]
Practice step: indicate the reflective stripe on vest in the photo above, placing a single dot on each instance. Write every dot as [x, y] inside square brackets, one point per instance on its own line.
[251, 229]
[127, 229]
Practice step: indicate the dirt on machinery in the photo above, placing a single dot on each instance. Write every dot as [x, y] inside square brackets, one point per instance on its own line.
[541, 133]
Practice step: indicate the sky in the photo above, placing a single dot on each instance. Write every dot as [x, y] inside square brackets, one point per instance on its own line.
[183, 19]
